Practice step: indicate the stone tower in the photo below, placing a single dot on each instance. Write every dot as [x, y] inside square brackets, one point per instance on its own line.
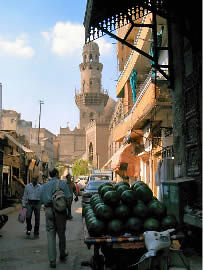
[91, 100]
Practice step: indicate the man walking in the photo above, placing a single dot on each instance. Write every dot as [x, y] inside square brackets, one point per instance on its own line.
[72, 189]
[31, 201]
[55, 221]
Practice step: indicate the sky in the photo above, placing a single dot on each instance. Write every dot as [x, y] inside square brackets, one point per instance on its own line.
[41, 45]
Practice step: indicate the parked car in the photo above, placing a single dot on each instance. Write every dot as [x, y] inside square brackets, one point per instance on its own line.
[92, 188]
[81, 182]
[93, 177]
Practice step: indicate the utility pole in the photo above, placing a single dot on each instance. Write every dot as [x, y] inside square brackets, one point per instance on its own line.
[40, 103]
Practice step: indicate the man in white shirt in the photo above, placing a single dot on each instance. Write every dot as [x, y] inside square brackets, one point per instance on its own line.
[31, 200]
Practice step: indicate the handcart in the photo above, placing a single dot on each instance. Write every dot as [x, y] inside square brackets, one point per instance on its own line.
[111, 248]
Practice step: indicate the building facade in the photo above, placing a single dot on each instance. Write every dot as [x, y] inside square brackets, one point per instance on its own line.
[171, 41]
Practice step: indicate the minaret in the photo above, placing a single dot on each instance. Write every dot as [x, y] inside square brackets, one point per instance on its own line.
[91, 100]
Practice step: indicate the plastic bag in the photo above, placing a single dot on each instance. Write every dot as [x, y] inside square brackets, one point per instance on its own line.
[22, 215]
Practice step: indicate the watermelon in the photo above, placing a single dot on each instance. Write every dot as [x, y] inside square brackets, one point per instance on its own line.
[128, 197]
[103, 185]
[117, 185]
[133, 225]
[85, 209]
[151, 224]
[122, 188]
[96, 200]
[168, 222]
[157, 209]
[96, 227]
[115, 227]
[104, 212]
[137, 184]
[105, 189]
[144, 193]
[140, 209]
[111, 197]
[94, 197]
[122, 211]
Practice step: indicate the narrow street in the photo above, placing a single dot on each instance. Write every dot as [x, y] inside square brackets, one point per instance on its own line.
[19, 253]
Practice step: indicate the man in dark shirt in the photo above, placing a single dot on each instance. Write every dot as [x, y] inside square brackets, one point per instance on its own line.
[55, 221]
[72, 189]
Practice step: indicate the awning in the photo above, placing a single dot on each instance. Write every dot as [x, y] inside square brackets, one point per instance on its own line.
[102, 16]
[25, 149]
[125, 163]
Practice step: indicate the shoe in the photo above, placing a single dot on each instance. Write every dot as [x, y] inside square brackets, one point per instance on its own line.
[63, 258]
[28, 233]
[69, 218]
[52, 265]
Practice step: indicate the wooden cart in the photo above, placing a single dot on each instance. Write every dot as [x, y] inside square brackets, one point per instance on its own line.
[127, 243]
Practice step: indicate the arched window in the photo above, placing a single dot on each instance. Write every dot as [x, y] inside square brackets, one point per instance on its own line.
[85, 58]
[96, 59]
[90, 152]
[91, 58]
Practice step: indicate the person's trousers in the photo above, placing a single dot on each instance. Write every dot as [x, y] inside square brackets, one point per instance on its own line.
[33, 207]
[69, 207]
[55, 223]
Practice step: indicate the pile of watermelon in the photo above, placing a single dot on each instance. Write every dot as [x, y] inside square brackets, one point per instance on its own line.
[121, 209]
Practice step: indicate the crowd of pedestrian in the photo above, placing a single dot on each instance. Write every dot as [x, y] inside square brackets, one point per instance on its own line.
[37, 195]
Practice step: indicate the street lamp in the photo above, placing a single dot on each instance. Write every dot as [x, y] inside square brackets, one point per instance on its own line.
[40, 103]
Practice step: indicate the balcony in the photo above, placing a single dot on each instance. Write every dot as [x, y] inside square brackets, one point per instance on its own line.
[140, 42]
[151, 99]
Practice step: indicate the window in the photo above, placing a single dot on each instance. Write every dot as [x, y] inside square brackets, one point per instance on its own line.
[91, 58]
[85, 58]
[90, 152]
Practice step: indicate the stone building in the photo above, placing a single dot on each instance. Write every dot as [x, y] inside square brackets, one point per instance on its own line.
[9, 119]
[96, 108]
[40, 141]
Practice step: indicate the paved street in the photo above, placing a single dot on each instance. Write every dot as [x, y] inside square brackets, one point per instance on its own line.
[17, 252]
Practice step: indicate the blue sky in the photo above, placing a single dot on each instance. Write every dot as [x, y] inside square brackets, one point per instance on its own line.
[40, 51]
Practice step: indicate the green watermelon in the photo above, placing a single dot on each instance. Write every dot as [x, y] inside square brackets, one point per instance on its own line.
[111, 197]
[117, 185]
[122, 188]
[115, 227]
[128, 197]
[105, 189]
[168, 222]
[85, 209]
[157, 209]
[133, 225]
[96, 227]
[95, 201]
[122, 211]
[151, 224]
[104, 212]
[140, 209]
[144, 193]
[103, 185]
[94, 197]
[137, 184]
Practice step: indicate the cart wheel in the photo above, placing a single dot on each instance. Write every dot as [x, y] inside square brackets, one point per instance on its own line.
[97, 262]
